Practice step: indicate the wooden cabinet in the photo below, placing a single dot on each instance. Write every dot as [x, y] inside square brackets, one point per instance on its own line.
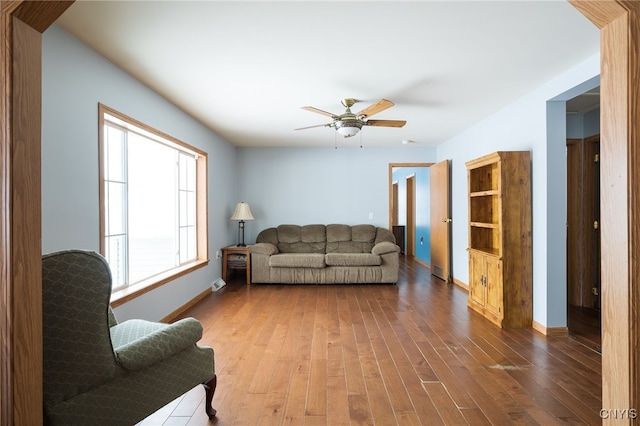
[485, 290]
[500, 265]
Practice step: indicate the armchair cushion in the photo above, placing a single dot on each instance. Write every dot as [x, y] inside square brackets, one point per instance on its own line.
[138, 343]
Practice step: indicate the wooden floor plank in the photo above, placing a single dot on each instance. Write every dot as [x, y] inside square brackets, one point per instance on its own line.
[296, 400]
[405, 354]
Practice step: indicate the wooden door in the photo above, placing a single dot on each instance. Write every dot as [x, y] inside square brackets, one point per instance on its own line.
[440, 214]
[592, 219]
[574, 222]
[583, 223]
[494, 286]
[476, 278]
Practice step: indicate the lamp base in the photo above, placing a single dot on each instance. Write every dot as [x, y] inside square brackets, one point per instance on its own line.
[241, 233]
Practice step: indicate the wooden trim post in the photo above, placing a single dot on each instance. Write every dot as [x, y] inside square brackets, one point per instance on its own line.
[619, 23]
[21, 25]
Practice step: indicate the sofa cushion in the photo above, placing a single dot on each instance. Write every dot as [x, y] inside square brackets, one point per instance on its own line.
[269, 235]
[338, 232]
[363, 233]
[297, 260]
[301, 239]
[350, 239]
[384, 234]
[352, 259]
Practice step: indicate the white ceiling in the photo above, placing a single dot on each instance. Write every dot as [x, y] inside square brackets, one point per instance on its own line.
[245, 69]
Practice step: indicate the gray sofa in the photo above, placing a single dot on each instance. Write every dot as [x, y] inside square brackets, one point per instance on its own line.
[325, 254]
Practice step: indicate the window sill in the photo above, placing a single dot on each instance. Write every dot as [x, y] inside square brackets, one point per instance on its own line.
[131, 292]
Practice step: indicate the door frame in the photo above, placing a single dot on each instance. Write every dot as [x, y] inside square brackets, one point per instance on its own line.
[21, 26]
[619, 24]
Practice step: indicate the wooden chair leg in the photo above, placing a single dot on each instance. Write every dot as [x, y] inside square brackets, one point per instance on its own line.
[210, 389]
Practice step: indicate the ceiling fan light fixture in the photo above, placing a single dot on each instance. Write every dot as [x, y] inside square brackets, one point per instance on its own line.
[348, 128]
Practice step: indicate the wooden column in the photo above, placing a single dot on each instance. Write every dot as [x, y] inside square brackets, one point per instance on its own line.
[619, 23]
[21, 25]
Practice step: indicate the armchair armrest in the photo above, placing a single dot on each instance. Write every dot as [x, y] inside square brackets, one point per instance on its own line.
[384, 248]
[264, 248]
[138, 343]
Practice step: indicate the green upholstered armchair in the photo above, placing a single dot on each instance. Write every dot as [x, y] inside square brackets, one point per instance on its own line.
[99, 372]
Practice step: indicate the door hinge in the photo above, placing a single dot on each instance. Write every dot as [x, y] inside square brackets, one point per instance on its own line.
[596, 225]
[596, 158]
[595, 291]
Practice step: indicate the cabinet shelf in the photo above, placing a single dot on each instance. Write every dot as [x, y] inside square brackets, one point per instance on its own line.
[485, 250]
[484, 225]
[484, 193]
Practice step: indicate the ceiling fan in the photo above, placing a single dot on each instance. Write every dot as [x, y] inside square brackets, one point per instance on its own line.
[349, 124]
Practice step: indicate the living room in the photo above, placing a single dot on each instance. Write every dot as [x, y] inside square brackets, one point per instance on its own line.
[290, 185]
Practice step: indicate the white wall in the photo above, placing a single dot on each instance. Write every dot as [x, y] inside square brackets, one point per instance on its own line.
[523, 126]
[319, 185]
[74, 80]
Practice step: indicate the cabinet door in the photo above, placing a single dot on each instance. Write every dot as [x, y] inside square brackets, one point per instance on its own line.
[493, 272]
[476, 277]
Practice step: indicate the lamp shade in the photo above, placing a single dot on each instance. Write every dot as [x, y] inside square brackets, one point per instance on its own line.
[348, 128]
[348, 131]
[242, 212]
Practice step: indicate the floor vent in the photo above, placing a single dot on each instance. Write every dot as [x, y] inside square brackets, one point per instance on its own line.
[218, 284]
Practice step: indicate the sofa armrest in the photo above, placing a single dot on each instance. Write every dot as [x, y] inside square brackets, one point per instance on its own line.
[151, 342]
[384, 248]
[264, 248]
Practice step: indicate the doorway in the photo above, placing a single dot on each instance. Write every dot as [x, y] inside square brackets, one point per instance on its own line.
[409, 207]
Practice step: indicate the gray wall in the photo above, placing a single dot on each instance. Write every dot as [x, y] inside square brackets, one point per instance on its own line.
[320, 185]
[74, 80]
[535, 122]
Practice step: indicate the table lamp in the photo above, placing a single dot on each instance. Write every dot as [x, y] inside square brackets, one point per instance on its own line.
[242, 213]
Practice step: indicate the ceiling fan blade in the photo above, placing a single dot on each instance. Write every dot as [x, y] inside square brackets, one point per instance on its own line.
[381, 105]
[386, 123]
[311, 127]
[319, 111]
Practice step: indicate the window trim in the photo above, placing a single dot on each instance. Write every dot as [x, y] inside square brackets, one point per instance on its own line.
[202, 236]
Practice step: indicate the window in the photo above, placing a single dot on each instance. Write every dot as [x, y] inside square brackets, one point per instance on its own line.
[152, 202]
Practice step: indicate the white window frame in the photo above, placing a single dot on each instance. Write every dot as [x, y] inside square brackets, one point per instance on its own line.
[111, 117]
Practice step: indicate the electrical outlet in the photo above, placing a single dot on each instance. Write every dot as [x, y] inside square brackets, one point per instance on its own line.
[371, 215]
[218, 254]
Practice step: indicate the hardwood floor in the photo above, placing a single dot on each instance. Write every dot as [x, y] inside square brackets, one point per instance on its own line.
[405, 354]
[585, 325]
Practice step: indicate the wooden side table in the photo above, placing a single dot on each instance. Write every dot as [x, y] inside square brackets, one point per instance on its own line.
[236, 257]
